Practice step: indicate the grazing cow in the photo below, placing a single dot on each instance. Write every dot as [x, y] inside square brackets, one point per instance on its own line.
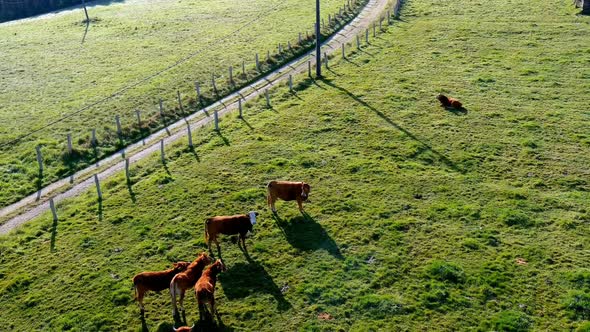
[185, 280]
[449, 102]
[184, 329]
[229, 225]
[287, 191]
[205, 288]
[155, 281]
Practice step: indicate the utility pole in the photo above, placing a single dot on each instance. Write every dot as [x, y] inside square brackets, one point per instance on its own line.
[318, 47]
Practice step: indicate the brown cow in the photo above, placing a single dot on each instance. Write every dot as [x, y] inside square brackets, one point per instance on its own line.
[184, 329]
[205, 288]
[229, 225]
[287, 191]
[449, 102]
[155, 281]
[185, 280]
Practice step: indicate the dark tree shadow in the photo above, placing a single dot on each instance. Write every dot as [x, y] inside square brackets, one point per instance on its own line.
[305, 234]
[243, 279]
[449, 163]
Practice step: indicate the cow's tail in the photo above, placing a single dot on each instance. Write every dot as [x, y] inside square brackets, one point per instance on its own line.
[173, 295]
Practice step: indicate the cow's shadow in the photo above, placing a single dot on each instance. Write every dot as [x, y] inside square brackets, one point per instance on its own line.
[243, 279]
[305, 234]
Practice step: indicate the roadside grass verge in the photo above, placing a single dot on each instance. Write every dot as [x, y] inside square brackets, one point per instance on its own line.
[420, 218]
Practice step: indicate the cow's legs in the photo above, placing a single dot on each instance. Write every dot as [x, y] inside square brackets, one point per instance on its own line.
[243, 238]
[218, 247]
[212, 303]
[300, 203]
[181, 299]
[201, 309]
[271, 202]
[140, 300]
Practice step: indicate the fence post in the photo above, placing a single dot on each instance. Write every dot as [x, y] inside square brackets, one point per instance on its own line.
[97, 187]
[93, 137]
[309, 68]
[329, 20]
[127, 170]
[323, 25]
[280, 48]
[216, 116]
[299, 38]
[190, 136]
[257, 63]
[53, 211]
[162, 155]
[268, 56]
[388, 17]
[374, 28]
[179, 101]
[289, 45]
[138, 119]
[326, 60]
[267, 98]
[290, 83]
[198, 89]
[39, 158]
[367, 35]
[243, 67]
[343, 52]
[70, 149]
[118, 121]
[231, 75]
[381, 24]
[358, 42]
[213, 83]
[161, 109]
[240, 106]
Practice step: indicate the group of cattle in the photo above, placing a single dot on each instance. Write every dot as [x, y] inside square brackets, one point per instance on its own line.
[202, 273]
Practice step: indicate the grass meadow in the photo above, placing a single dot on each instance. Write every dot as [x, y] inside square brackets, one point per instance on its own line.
[135, 51]
[420, 219]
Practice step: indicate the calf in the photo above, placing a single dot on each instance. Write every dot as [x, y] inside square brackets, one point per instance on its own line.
[287, 191]
[449, 102]
[205, 288]
[229, 225]
[185, 280]
[155, 281]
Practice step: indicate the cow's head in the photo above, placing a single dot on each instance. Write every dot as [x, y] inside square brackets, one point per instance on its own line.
[253, 215]
[218, 266]
[305, 189]
[205, 258]
[180, 266]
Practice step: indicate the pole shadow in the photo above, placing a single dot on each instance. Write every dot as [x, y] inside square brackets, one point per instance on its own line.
[53, 235]
[246, 123]
[305, 234]
[130, 189]
[223, 138]
[100, 214]
[39, 184]
[85, 31]
[449, 163]
[243, 279]
[194, 153]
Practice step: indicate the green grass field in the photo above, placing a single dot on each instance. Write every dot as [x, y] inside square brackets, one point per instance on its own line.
[47, 73]
[420, 218]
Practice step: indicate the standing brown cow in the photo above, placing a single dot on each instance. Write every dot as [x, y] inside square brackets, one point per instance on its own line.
[185, 280]
[229, 225]
[287, 191]
[205, 288]
[155, 281]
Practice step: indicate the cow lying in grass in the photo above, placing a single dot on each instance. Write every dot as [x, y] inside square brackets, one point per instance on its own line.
[187, 279]
[229, 225]
[205, 288]
[155, 281]
[287, 191]
[449, 102]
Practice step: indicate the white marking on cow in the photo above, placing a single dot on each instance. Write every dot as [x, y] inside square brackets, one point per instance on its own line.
[253, 217]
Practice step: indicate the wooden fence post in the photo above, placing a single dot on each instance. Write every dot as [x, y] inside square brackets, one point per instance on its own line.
[70, 149]
[190, 136]
[39, 158]
[329, 20]
[127, 170]
[93, 140]
[381, 24]
[289, 45]
[53, 211]
[162, 154]
[118, 121]
[257, 63]
[290, 83]
[299, 38]
[268, 56]
[216, 118]
[374, 29]
[138, 119]
[240, 106]
[343, 52]
[231, 75]
[267, 98]
[243, 67]
[98, 191]
[161, 109]
[309, 68]
[367, 36]
[358, 42]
